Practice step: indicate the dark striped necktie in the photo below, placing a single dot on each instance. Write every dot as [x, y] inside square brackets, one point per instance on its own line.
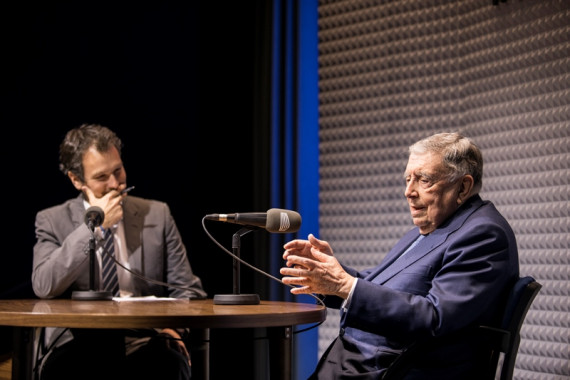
[109, 268]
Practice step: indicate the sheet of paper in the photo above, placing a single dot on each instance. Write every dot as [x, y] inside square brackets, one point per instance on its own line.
[147, 298]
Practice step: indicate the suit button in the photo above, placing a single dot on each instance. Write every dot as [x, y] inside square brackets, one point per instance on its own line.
[341, 332]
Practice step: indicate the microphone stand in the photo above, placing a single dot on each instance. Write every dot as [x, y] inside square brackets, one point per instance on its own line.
[91, 294]
[236, 298]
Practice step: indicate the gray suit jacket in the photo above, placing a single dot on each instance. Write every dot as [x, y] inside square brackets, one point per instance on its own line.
[154, 245]
[61, 261]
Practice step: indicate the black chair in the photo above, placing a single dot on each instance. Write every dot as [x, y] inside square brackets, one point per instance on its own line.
[504, 339]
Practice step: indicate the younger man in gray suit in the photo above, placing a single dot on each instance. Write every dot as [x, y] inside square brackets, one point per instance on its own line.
[146, 241]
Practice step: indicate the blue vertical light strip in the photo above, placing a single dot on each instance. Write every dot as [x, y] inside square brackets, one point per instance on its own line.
[290, 111]
[276, 102]
[308, 119]
[283, 131]
[306, 343]
[295, 146]
[276, 126]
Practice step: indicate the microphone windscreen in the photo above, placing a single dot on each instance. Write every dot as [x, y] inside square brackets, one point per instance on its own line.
[94, 215]
[282, 221]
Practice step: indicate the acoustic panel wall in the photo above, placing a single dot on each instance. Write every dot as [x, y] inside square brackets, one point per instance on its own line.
[392, 72]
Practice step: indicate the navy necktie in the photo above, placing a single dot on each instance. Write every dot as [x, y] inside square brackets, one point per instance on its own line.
[109, 268]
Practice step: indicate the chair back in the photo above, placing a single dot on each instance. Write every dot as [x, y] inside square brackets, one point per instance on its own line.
[519, 301]
[504, 339]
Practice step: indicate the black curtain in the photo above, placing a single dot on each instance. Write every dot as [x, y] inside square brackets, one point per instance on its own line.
[178, 81]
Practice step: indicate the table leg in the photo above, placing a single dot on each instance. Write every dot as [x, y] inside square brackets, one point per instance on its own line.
[280, 347]
[22, 365]
[200, 353]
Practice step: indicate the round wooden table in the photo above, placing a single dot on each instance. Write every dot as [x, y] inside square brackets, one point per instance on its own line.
[199, 315]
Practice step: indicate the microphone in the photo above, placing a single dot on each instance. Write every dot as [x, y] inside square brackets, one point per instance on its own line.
[274, 220]
[94, 217]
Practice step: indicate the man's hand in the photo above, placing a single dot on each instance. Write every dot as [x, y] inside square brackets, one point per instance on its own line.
[176, 343]
[312, 266]
[110, 203]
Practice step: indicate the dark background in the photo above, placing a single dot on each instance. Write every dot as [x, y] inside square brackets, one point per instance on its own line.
[175, 82]
[179, 82]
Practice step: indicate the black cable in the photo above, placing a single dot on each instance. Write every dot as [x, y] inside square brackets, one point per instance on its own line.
[263, 273]
[156, 282]
[236, 258]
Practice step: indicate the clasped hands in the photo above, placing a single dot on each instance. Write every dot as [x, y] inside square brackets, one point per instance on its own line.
[312, 268]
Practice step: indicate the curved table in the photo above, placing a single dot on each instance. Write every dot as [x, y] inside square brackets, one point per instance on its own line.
[198, 315]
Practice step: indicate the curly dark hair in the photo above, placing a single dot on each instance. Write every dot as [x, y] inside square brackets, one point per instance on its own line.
[78, 140]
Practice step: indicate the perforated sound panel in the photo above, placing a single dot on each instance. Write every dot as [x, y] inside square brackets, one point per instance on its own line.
[392, 72]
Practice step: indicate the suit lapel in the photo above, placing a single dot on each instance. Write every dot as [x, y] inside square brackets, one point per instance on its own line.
[394, 253]
[77, 208]
[391, 266]
[424, 247]
[133, 224]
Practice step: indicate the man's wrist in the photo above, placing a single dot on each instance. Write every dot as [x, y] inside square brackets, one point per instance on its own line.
[347, 300]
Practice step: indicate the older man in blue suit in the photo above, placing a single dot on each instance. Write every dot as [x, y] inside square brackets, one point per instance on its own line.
[450, 273]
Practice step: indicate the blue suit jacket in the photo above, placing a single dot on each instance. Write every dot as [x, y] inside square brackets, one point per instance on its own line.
[456, 277]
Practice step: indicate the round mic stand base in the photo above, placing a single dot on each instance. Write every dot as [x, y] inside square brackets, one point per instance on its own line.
[91, 295]
[236, 299]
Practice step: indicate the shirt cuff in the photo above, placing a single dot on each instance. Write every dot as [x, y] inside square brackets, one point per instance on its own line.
[346, 302]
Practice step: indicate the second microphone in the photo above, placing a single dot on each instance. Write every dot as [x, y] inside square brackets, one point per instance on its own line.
[274, 220]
